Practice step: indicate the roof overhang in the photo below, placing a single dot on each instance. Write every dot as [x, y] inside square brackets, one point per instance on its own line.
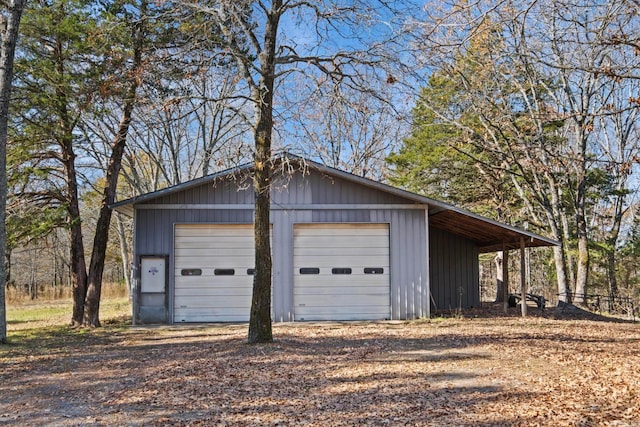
[488, 235]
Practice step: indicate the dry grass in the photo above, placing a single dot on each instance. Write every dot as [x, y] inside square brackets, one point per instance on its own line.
[478, 371]
[24, 313]
[19, 296]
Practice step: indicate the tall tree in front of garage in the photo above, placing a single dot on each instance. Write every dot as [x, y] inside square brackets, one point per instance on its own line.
[272, 42]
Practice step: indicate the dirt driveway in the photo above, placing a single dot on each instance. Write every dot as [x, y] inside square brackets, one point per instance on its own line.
[482, 371]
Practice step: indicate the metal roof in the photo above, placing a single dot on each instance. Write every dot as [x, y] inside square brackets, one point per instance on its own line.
[488, 234]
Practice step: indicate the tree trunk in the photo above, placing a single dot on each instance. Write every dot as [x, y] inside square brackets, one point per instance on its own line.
[523, 278]
[560, 261]
[505, 276]
[78, 263]
[612, 242]
[101, 237]
[569, 258]
[611, 274]
[7, 266]
[9, 34]
[260, 316]
[499, 277]
[557, 220]
[77, 257]
[582, 274]
[260, 330]
[124, 254]
[564, 292]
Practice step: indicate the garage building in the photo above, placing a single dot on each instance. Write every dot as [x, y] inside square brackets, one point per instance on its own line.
[343, 248]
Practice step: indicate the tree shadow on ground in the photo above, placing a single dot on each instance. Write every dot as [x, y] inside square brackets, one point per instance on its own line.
[409, 373]
[211, 376]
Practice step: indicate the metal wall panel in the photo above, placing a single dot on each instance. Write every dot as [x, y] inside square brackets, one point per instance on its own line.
[409, 266]
[334, 190]
[454, 271]
[221, 192]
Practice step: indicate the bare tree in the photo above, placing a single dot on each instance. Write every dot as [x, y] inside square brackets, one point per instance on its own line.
[199, 130]
[617, 151]
[173, 139]
[133, 79]
[221, 121]
[536, 91]
[10, 15]
[350, 129]
[269, 41]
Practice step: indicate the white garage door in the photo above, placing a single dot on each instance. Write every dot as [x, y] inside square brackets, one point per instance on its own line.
[341, 272]
[213, 273]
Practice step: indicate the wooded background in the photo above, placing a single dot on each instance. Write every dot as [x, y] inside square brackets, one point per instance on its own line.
[525, 112]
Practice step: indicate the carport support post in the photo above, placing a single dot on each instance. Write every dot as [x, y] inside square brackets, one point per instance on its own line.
[505, 277]
[523, 279]
[427, 302]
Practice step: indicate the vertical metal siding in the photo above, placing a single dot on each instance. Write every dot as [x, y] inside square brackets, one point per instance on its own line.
[454, 271]
[282, 250]
[135, 273]
[408, 266]
[426, 281]
[334, 190]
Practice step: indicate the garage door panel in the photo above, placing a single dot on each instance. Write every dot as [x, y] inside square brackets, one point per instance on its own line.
[320, 298]
[208, 275]
[208, 315]
[208, 254]
[332, 313]
[361, 283]
[350, 281]
[214, 230]
[357, 240]
[353, 250]
[208, 263]
[209, 291]
[230, 301]
[324, 229]
[196, 239]
[198, 282]
[340, 310]
[339, 260]
[328, 296]
[215, 258]
[202, 295]
[214, 252]
[190, 247]
[372, 252]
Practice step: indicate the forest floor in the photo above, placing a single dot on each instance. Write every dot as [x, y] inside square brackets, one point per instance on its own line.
[482, 368]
